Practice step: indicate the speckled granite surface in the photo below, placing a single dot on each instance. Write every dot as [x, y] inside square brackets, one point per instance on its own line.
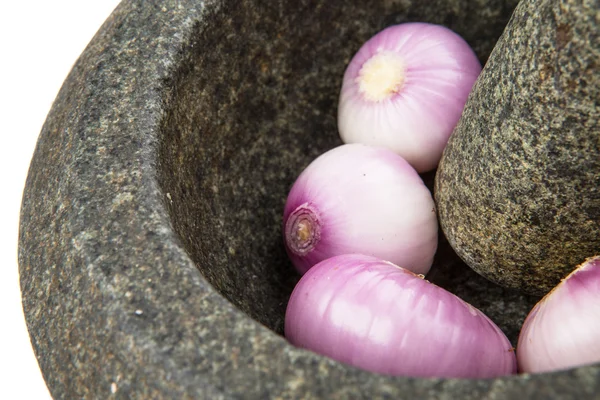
[518, 188]
[150, 252]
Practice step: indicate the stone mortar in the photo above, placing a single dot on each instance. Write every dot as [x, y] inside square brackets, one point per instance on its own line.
[150, 252]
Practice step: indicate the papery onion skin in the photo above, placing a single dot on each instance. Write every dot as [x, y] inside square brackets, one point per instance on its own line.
[371, 314]
[360, 199]
[417, 115]
[563, 330]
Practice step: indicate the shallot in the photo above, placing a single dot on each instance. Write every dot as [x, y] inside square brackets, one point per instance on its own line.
[374, 315]
[360, 199]
[405, 89]
[563, 330]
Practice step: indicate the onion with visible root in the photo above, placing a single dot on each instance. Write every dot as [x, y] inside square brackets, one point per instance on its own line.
[360, 199]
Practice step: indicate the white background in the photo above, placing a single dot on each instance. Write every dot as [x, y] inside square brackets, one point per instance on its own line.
[39, 42]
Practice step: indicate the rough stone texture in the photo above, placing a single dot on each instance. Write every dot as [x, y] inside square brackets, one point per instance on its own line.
[150, 248]
[518, 187]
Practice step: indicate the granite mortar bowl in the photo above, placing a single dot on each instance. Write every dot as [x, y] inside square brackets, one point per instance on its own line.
[151, 257]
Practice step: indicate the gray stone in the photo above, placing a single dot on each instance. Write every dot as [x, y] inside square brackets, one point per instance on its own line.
[518, 185]
[151, 258]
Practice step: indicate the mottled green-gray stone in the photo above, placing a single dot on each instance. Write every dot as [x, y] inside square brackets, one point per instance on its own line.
[518, 187]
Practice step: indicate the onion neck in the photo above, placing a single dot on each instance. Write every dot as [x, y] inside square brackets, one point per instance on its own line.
[303, 230]
[382, 76]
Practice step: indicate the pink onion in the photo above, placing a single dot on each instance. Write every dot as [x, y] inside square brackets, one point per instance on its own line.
[360, 199]
[405, 89]
[563, 330]
[374, 315]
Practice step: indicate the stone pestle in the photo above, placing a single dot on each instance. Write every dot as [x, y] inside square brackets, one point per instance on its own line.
[518, 186]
